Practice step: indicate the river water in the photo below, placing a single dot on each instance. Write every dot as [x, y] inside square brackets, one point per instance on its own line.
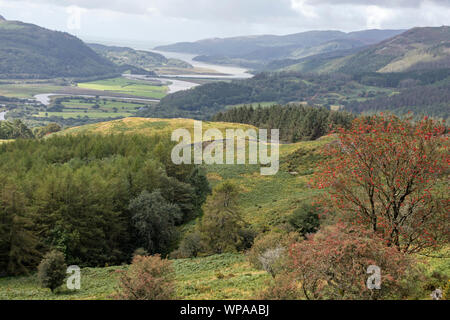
[230, 72]
[174, 84]
[2, 115]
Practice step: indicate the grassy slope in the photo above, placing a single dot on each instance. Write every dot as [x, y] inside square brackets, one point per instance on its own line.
[199, 278]
[265, 201]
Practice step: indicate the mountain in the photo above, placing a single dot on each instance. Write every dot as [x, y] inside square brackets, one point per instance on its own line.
[146, 60]
[29, 51]
[256, 51]
[416, 49]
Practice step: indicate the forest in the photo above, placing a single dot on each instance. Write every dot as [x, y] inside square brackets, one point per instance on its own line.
[317, 90]
[296, 122]
[84, 195]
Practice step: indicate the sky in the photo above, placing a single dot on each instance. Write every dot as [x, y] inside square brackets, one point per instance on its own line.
[147, 23]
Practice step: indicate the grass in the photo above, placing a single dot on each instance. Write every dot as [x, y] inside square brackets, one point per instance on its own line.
[27, 90]
[126, 86]
[226, 276]
[150, 126]
[67, 114]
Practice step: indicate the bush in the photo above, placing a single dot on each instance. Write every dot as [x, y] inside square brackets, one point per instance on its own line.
[190, 246]
[333, 264]
[140, 252]
[52, 270]
[269, 249]
[147, 278]
[305, 220]
[286, 288]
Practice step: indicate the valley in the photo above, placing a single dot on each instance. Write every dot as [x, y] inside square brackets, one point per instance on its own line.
[93, 172]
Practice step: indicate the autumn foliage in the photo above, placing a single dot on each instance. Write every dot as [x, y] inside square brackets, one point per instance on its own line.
[147, 278]
[391, 175]
[333, 263]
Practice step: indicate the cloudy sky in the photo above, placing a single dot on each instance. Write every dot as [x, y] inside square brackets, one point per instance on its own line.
[150, 22]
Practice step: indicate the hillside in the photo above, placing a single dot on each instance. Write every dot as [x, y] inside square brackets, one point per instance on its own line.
[124, 56]
[29, 51]
[256, 51]
[416, 49]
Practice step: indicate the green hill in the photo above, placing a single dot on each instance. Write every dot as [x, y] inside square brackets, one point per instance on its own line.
[416, 49]
[124, 56]
[256, 51]
[29, 51]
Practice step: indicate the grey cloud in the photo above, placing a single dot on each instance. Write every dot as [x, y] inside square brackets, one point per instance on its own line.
[380, 3]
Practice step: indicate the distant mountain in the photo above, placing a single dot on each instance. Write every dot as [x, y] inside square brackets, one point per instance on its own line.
[29, 51]
[416, 49]
[146, 60]
[256, 51]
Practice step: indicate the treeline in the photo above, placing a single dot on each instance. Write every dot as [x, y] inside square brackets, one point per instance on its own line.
[14, 130]
[295, 122]
[204, 101]
[94, 198]
[432, 101]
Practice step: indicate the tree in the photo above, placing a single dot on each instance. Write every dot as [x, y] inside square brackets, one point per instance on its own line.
[387, 173]
[222, 222]
[270, 249]
[154, 220]
[305, 219]
[333, 264]
[18, 240]
[52, 270]
[147, 278]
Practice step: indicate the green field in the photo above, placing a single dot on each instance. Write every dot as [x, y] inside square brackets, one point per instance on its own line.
[226, 276]
[125, 86]
[68, 113]
[92, 108]
[27, 90]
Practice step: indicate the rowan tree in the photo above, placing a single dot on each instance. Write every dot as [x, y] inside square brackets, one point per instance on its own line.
[391, 175]
[333, 264]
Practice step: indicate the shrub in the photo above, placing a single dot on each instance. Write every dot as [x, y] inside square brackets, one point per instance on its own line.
[147, 278]
[333, 264]
[140, 252]
[52, 270]
[305, 219]
[269, 249]
[283, 287]
[190, 246]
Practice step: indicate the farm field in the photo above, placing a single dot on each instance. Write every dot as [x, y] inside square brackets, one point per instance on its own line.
[27, 90]
[126, 86]
[70, 107]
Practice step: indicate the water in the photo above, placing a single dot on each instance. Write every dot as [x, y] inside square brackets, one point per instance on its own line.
[229, 72]
[2, 115]
[173, 84]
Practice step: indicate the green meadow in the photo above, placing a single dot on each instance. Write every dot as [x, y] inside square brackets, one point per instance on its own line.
[126, 86]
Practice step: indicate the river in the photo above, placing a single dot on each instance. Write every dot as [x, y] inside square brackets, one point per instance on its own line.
[228, 72]
[174, 84]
